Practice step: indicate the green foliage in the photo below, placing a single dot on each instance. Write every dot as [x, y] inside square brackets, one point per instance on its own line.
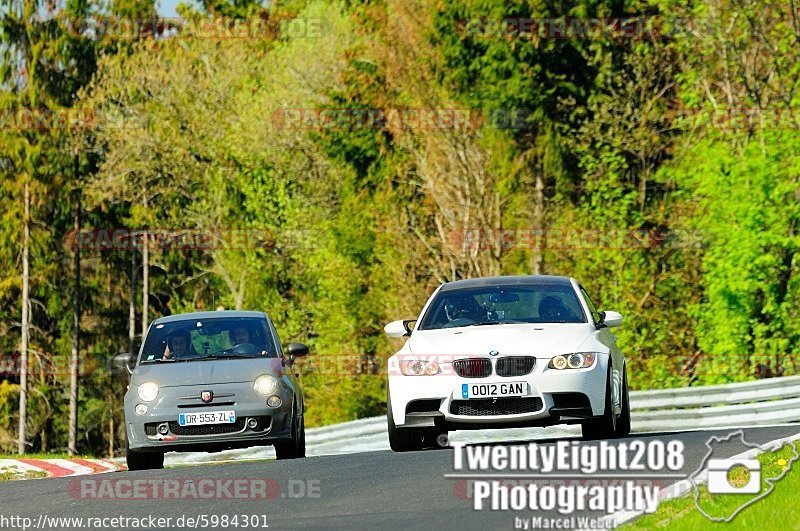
[750, 238]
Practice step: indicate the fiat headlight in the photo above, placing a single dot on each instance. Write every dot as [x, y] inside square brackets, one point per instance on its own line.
[578, 360]
[265, 384]
[148, 391]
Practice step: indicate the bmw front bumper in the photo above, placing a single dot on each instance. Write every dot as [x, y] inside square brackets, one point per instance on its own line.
[555, 397]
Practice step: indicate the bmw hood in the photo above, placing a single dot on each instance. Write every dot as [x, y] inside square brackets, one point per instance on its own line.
[540, 340]
[207, 372]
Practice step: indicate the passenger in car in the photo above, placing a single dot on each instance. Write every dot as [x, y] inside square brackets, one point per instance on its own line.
[464, 307]
[241, 335]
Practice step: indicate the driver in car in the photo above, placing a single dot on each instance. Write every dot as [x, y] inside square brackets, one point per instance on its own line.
[179, 345]
[552, 309]
[245, 341]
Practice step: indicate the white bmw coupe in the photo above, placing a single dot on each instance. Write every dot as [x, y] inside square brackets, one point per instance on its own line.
[503, 352]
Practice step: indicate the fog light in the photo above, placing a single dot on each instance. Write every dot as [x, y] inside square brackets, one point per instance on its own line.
[252, 423]
[140, 409]
[163, 429]
[274, 401]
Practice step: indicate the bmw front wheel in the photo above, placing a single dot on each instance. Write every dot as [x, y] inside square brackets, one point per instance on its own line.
[402, 439]
[604, 426]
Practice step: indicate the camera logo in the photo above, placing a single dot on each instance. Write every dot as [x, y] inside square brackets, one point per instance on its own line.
[723, 476]
[735, 483]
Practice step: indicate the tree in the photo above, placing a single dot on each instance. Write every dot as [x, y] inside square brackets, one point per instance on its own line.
[29, 68]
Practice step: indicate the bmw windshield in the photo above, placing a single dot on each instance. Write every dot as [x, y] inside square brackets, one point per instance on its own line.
[491, 305]
[208, 339]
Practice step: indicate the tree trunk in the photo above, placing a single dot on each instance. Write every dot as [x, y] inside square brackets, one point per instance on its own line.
[145, 276]
[145, 282]
[44, 440]
[111, 435]
[132, 307]
[23, 371]
[537, 253]
[76, 330]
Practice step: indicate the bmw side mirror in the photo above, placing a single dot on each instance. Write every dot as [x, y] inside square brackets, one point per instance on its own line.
[401, 328]
[609, 319]
[601, 318]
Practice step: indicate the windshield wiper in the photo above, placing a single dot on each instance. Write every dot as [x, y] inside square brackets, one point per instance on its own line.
[486, 323]
[218, 357]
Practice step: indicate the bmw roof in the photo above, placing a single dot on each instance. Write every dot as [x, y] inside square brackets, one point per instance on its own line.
[521, 280]
[208, 315]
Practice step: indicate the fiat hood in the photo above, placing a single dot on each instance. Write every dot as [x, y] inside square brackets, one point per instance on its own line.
[178, 373]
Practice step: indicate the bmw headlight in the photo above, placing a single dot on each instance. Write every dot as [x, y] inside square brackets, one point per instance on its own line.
[265, 384]
[578, 360]
[148, 391]
[419, 368]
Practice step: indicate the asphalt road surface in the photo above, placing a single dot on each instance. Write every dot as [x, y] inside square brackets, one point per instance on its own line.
[367, 490]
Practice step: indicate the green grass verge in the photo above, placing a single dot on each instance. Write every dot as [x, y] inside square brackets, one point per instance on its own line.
[14, 473]
[11, 474]
[220, 462]
[780, 509]
[54, 455]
